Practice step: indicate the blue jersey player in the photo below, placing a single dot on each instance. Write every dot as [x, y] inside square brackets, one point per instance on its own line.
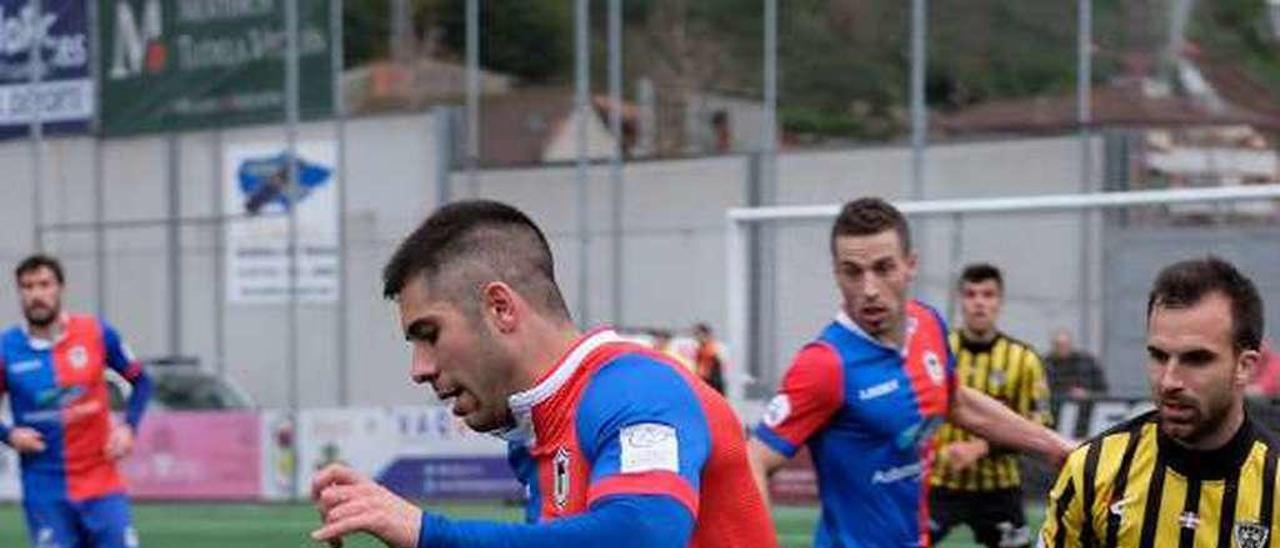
[616, 444]
[52, 368]
[867, 395]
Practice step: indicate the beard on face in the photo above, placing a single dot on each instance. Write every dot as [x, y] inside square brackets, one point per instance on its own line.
[40, 314]
[489, 385]
[1203, 419]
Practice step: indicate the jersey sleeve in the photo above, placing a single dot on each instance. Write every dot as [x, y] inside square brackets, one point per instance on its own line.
[1033, 391]
[1064, 515]
[4, 386]
[121, 360]
[812, 391]
[119, 357]
[617, 522]
[642, 428]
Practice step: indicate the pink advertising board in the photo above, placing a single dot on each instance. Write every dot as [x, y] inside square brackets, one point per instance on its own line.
[196, 455]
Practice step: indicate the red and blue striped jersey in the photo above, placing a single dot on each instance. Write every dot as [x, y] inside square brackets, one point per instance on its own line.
[59, 389]
[868, 413]
[616, 419]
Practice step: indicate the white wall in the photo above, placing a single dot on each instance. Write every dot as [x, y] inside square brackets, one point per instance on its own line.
[673, 225]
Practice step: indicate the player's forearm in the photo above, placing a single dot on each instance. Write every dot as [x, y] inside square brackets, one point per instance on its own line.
[623, 521]
[1000, 426]
[138, 400]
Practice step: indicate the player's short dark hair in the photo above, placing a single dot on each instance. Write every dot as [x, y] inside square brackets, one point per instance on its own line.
[466, 244]
[1185, 283]
[870, 216]
[36, 262]
[980, 272]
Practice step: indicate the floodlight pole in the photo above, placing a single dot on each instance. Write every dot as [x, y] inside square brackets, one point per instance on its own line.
[36, 66]
[291, 164]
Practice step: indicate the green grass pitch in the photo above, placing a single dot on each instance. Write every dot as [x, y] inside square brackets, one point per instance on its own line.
[188, 525]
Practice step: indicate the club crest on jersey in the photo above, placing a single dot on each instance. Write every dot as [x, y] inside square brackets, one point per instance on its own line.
[1251, 534]
[996, 380]
[933, 366]
[560, 482]
[78, 356]
[777, 411]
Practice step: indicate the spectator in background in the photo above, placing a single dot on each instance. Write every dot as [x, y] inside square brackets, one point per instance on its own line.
[709, 359]
[1266, 382]
[1073, 373]
[662, 343]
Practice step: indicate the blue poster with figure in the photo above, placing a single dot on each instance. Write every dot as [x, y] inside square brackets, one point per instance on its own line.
[63, 99]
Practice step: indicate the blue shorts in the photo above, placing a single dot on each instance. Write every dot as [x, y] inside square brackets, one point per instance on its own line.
[101, 522]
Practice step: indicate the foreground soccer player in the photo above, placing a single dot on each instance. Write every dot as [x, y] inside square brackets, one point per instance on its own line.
[1196, 471]
[53, 367]
[868, 395]
[617, 444]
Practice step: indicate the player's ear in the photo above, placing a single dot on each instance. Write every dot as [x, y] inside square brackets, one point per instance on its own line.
[911, 263]
[1247, 364]
[500, 306]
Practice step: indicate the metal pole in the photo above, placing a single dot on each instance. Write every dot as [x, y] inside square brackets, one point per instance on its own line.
[1084, 116]
[399, 30]
[219, 260]
[99, 185]
[173, 237]
[99, 232]
[769, 127]
[582, 110]
[919, 29]
[615, 165]
[473, 97]
[291, 136]
[957, 255]
[340, 127]
[36, 65]
[762, 249]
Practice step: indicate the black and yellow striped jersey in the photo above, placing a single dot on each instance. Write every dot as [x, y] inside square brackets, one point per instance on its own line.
[1010, 371]
[1133, 486]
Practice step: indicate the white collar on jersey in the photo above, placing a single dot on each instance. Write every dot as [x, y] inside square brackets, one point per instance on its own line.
[522, 403]
[45, 344]
[845, 321]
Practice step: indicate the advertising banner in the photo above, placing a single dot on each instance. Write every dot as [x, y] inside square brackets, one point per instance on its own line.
[257, 194]
[418, 452]
[171, 65]
[64, 98]
[797, 483]
[197, 456]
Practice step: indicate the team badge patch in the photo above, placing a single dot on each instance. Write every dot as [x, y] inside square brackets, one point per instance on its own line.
[996, 380]
[778, 410]
[560, 488]
[1251, 535]
[79, 357]
[933, 366]
[649, 446]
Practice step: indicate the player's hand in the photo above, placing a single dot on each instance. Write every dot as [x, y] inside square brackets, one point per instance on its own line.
[1062, 448]
[963, 454]
[349, 502]
[26, 440]
[120, 444]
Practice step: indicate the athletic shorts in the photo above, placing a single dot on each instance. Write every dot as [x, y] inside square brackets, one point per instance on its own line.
[996, 517]
[101, 522]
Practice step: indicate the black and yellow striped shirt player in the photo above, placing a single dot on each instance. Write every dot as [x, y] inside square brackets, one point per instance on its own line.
[1197, 471]
[1134, 486]
[1010, 371]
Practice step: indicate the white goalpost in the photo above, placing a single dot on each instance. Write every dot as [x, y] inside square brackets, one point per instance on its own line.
[741, 220]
